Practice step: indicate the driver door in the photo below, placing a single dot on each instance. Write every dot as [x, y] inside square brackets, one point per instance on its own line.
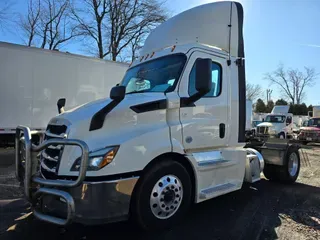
[205, 123]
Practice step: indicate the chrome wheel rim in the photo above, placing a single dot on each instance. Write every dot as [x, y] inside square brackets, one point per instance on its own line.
[293, 164]
[166, 197]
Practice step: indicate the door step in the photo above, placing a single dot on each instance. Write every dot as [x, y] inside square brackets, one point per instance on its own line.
[215, 190]
[211, 160]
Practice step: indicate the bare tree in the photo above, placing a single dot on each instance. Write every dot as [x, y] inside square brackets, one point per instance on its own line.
[91, 18]
[292, 82]
[5, 14]
[253, 91]
[114, 26]
[48, 22]
[130, 20]
[29, 23]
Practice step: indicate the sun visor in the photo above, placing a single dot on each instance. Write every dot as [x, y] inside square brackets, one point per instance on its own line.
[216, 24]
[281, 109]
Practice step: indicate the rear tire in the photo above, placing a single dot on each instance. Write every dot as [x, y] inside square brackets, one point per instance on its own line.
[290, 171]
[287, 173]
[162, 196]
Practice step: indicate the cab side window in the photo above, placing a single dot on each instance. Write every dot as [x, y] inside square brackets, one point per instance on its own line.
[216, 81]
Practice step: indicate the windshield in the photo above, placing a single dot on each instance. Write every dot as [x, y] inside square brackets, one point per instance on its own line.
[159, 75]
[275, 118]
[314, 122]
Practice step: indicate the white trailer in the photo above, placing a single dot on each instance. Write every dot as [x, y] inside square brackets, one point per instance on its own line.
[316, 111]
[33, 79]
[171, 134]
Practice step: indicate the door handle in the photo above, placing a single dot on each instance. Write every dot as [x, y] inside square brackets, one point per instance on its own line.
[222, 130]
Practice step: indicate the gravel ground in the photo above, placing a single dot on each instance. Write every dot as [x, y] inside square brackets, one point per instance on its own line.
[265, 210]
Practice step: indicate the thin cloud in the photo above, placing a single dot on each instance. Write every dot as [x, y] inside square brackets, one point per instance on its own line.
[311, 45]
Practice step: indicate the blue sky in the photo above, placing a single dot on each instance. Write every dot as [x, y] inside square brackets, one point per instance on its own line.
[275, 31]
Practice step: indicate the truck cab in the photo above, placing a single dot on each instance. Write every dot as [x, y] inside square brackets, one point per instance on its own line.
[172, 133]
[278, 123]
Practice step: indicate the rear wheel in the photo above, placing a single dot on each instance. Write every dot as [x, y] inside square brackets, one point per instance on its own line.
[287, 173]
[162, 197]
[290, 171]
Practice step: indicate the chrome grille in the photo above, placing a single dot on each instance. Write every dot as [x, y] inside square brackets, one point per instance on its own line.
[311, 134]
[262, 130]
[50, 157]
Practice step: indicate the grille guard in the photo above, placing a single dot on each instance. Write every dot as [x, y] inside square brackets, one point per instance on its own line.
[23, 137]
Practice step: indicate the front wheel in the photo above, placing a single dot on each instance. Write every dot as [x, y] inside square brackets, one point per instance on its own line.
[162, 197]
[282, 136]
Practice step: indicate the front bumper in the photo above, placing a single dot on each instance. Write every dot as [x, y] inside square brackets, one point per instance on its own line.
[95, 202]
[307, 138]
[64, 201]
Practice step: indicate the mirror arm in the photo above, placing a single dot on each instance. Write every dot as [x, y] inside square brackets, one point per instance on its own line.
[192, 99]
[61, 110]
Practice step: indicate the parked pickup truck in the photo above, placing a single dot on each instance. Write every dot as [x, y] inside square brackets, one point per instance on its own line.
[310, 133]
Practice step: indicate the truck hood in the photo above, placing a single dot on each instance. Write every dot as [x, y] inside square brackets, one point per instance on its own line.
[121, 125]
[278, 127]
[115, 122]
[86, 111]
[310, 129]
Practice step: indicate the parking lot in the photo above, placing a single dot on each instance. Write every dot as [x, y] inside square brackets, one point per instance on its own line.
[264, 210]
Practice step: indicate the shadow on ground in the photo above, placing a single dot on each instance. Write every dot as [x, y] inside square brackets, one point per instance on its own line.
[254, 212]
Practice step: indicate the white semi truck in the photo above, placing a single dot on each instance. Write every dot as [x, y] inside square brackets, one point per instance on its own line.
[279, 123]
[171, 134]
[33, 79]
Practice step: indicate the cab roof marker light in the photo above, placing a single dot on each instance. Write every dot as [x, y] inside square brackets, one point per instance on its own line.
[173, 48]
[152, 54]
[146, 57]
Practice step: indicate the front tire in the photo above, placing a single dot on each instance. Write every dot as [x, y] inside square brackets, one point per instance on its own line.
[162, 196]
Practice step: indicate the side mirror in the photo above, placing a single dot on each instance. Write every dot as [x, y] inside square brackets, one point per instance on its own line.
[118, 93]
[203, 82]
[60, 104]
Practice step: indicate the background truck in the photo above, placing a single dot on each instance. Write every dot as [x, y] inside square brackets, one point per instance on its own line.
[32, 80]
[310, 132]
[170, 135]
[278, 123]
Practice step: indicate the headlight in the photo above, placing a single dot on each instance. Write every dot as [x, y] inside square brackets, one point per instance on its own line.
[272, 130]
[97, 159]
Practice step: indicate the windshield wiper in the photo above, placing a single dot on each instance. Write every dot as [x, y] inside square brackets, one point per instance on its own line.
[136, 92]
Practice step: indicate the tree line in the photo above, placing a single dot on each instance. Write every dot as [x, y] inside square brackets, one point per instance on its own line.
[107, 29]
[295, 109]
[293, 85]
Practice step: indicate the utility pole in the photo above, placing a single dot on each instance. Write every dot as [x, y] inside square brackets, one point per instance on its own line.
[269, 91]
